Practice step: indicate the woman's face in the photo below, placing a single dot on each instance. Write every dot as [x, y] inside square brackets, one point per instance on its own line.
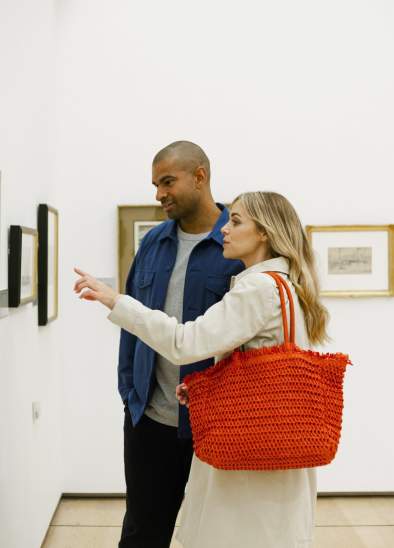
[242, 240]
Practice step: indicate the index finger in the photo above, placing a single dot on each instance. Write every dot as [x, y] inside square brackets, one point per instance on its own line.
[80, 272]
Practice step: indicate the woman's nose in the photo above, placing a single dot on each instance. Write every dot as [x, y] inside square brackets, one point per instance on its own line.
[224, 229]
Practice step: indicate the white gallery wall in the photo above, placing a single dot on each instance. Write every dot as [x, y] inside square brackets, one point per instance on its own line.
[30, 361]
[295, 97]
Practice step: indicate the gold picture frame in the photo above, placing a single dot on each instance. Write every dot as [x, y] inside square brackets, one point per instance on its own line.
[354, 260]
[134, 222]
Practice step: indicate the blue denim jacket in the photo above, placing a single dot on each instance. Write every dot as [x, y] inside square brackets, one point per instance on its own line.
[207, 279]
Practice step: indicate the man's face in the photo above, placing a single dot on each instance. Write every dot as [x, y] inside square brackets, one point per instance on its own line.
[176, 189]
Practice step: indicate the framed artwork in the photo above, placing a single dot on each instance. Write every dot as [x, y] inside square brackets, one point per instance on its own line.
[354, 261]
[3, 251]
[133, 223]
[48, 263]
[140, 229]
[22, 265]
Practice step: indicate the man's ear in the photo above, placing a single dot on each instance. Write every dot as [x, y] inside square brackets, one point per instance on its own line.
[201, 176]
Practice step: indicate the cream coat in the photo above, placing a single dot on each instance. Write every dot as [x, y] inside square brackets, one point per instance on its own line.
[233, 509]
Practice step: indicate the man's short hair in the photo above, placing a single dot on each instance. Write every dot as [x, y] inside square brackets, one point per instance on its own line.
[189, 155]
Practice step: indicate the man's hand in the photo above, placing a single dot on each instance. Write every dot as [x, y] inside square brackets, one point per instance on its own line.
[94, 290]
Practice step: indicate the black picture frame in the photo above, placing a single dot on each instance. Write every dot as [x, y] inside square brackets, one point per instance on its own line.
[48, 226]
[22, 266]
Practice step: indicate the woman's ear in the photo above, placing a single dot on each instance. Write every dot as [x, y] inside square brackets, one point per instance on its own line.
[264, 237]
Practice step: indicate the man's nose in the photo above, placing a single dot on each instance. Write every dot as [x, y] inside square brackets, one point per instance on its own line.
[160, 194]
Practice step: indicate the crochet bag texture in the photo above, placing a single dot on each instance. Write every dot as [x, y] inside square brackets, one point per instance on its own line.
[269, 408]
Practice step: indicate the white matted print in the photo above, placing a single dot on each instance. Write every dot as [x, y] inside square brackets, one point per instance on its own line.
[3, 255]
[3, 241]
[354, 260]
[28, 267]
[141, 228]
[22, 271]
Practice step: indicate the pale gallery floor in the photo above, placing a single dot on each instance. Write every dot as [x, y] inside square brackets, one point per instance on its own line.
[342, 522]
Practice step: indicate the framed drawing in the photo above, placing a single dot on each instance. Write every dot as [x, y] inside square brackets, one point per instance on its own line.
[48, 263]
[354, 261]
[22, 265]
[140, 229]
[133, 223]
[3, 251]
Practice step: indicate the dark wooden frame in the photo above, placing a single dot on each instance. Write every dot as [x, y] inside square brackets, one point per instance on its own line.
[15, 266]
[43, 238]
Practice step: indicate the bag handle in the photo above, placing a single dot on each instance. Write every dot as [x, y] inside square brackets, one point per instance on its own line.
[281, 283]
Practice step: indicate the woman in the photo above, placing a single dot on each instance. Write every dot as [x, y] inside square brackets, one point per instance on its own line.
[229, 509]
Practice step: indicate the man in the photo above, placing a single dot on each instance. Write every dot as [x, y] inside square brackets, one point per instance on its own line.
[179, 268]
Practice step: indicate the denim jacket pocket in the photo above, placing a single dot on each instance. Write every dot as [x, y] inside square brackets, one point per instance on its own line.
[144, 278]
[143, 286]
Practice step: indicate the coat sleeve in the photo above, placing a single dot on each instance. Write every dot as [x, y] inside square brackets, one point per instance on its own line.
[233, 321]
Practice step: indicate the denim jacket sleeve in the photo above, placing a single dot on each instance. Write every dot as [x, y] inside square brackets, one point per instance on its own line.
[126, 349]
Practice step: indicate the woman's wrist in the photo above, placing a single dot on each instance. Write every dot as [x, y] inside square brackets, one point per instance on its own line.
[114, 300]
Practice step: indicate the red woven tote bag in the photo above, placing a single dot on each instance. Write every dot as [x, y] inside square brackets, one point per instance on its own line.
[271, 408]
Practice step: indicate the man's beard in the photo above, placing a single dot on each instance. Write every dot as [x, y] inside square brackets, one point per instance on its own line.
[173, 215]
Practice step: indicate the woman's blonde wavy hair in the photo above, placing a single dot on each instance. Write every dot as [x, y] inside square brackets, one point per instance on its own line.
[274, 215]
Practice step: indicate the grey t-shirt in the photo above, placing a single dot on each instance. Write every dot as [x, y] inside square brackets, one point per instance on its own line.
[163, 406]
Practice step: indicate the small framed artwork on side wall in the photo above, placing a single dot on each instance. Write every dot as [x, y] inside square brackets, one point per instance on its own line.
[48, 263]
[3, 253]
[22, 265]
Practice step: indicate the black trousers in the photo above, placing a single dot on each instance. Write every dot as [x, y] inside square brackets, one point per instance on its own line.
[157, 465]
